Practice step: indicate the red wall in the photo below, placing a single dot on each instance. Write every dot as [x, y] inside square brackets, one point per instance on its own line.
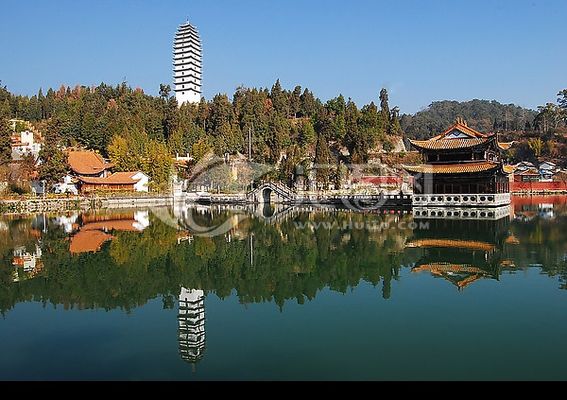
[537, 186]
[518, 201]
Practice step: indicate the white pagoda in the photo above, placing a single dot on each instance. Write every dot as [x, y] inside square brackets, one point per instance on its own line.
[187, 64]
[191, 319]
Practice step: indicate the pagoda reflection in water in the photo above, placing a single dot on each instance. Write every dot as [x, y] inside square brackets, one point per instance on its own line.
[462, 251]
[191, 317]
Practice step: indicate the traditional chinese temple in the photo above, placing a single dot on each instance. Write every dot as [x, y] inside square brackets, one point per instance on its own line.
[477, 251]
[463, 167]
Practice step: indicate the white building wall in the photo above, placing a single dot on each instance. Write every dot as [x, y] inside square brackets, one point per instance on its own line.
[142, 185]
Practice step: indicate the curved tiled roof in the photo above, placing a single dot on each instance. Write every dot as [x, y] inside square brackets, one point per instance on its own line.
[117, 178]
[505, 145]
[86, 162]
[441, 144]
[466, 137]
[461, 126]
[452, 243]
[88, 241]
[462, 168]
[449, 267]
[124, 225]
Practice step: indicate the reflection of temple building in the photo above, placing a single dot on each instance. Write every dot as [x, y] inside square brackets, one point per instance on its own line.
[476, 213]
[27, 265]
[461, 252]
[96, 228]
[191, 324]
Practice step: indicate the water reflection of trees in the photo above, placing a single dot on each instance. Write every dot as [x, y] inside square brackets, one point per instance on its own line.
[542, 243]
[288, 263]
[257, 261]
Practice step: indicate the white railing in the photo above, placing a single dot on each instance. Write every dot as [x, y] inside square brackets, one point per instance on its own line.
[476, 213]
[456, 200]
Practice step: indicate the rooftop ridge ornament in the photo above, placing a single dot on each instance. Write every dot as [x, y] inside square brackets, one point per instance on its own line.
[461, 121]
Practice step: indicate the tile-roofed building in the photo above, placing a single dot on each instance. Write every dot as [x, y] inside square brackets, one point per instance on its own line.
[119, 181]
[85, 163]
[89, 241]
[460, 275]
[97, 228]
[460, 251]
[460, 164]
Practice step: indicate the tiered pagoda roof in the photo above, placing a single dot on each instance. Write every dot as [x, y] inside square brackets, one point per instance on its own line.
[452, 243]
[464, 168]
[454, 139]
[460, 275]
[459, 136]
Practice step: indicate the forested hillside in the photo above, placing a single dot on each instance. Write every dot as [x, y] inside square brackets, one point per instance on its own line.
[138, 131]
[132, 127]
[483, 115]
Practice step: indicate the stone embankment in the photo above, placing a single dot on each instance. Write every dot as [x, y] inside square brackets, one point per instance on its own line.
[62, 204]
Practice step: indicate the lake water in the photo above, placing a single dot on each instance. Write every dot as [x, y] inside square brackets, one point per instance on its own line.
[209, 293]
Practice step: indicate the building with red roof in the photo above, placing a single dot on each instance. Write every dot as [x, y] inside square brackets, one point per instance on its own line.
[463, 167]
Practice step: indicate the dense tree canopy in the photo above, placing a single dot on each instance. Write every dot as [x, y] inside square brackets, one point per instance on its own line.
[484, 115]
[113, 120]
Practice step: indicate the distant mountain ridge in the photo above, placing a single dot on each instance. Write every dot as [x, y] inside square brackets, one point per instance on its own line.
[483, 115]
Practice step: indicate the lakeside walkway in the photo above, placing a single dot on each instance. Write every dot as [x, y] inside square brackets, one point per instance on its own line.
[61, 204]
[26, 205]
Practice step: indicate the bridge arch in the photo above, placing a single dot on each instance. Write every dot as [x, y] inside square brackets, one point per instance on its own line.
[267, 194]
[271, 192]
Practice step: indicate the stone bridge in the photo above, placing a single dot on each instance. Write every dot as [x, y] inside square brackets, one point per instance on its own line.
[271, 192]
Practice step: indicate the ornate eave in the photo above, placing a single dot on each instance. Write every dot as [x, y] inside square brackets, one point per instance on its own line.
[456, 168]
[449, 144]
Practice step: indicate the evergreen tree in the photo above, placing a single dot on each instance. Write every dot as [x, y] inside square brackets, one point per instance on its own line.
[171, 120]
[5, 143]
[562, 101]
[53, 165]
[309, 106]
[395, 127]
[295, 101]
[384, 107]
[337, 109]
[307, 135]
[280, 99]
[322, 162]
[341, 172]
[201, 148]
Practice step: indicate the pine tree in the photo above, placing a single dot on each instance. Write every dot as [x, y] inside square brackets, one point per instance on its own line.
[171, 118]
[309, 104]
[295, 101]
[562, 101]
[395, 127]
[53, 165]
[307, 135]
[5, 148]
[280, 99]
[322, 162]
[384, 107]
[341, 173]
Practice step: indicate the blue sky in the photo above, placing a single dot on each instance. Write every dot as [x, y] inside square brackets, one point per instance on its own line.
[422, 51]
